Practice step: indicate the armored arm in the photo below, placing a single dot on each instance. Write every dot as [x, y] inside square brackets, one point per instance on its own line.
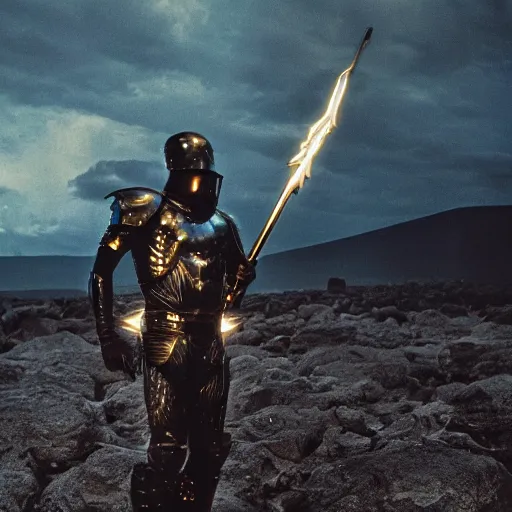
[113, 246]
[117, 352]
[131, 209]
[241, 271]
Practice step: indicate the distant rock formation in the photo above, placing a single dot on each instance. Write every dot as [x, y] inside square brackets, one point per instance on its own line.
[377, 398]
[336, 285]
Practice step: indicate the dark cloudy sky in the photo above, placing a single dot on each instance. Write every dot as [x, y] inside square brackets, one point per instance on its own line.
[91, 89]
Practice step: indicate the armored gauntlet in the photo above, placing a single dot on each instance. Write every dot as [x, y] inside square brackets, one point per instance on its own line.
[118, 354]
[245, 275]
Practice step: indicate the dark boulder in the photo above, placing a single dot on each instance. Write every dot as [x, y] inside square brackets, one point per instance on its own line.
[336, 285]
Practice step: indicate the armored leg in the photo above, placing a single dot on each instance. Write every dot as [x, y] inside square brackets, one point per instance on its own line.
[153, 484]
[150, 492]
[208, 444]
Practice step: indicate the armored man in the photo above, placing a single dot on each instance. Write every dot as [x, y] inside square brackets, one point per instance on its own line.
[190, 266]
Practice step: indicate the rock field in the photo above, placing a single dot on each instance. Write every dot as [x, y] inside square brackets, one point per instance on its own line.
[371, 399]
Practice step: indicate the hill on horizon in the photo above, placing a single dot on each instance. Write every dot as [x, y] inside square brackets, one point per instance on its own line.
[470, 243]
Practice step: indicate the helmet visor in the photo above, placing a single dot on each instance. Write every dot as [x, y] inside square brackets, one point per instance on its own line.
[187, 184]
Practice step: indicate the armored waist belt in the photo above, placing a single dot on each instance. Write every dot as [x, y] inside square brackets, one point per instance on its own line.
[167, 316]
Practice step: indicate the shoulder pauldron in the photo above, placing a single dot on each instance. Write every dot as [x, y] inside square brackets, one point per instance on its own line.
[134, 206]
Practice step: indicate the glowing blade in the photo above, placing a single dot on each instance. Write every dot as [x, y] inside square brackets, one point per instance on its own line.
[317, 134]
[319, 131]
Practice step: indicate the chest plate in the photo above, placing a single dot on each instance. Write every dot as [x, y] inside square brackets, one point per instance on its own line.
[182, 265]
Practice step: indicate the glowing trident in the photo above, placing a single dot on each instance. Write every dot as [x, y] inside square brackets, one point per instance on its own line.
[308, 150]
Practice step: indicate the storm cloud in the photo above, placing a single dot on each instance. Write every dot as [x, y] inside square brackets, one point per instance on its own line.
[5, 191]
[106, 176]
[426, 125]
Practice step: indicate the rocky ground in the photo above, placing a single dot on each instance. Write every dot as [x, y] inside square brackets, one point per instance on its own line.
[366, 399]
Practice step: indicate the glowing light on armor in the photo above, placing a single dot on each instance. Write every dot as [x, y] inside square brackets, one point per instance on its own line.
[115, 244]
[146, 198]
[132, 322]
[167, 218]
[228, 324]
[195, 184]
[156, 253]
[198, 261]
[182, 235]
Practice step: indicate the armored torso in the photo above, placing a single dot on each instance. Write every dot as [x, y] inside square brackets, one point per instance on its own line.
[182, 267]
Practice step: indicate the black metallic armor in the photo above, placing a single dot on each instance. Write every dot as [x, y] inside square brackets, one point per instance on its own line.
[188, 257]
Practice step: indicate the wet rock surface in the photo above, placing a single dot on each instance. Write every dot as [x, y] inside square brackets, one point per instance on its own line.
[388, 398]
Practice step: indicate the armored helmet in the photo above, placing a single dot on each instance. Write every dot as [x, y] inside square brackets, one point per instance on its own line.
[192, 181]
